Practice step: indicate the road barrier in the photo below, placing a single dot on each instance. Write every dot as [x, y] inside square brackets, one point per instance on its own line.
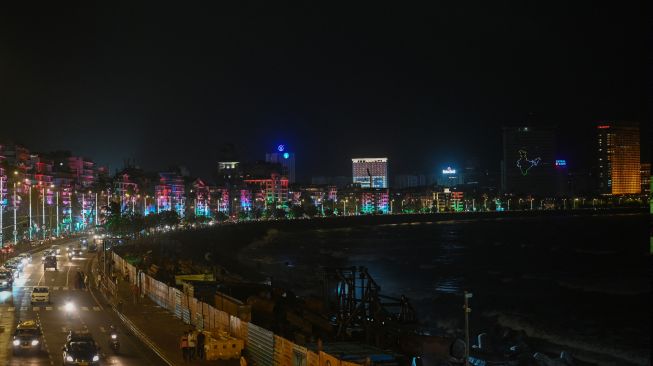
[262, 347]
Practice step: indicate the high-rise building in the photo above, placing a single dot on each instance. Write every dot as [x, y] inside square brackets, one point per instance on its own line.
[645, 174]
[528, 165]
[370, 172]
[286, 159]
[618, 158]
[450, 177]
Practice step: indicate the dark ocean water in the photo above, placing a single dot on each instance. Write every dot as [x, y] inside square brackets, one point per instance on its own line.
[581, 283]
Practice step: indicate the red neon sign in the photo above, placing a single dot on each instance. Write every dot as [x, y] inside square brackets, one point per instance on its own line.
[603, 126]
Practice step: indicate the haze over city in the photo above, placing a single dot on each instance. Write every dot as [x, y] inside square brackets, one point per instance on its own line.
[424, 85]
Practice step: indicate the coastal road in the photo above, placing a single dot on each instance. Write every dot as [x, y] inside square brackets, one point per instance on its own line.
[89, 314]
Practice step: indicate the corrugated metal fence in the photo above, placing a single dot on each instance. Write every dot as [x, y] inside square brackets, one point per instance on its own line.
[262, 347]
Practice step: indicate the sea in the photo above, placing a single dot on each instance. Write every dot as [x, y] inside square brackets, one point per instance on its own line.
[579, 284]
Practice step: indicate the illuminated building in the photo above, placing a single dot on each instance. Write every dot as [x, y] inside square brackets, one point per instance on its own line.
[220, 197]
[126, 190]
[528, 165]
[82, 170]
[370, 172]
[284, 158]
[645, 177]
[271, 192]
[450, 177]
[170, 194]
[375, 200]
[618, 158]
[229, 173]
[202, 198]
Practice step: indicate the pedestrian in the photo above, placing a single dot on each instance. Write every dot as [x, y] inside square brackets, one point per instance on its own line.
[192, 344]
[200, 345]
[183, 344]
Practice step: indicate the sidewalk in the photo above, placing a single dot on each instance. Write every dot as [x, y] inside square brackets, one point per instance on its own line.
[161, 327]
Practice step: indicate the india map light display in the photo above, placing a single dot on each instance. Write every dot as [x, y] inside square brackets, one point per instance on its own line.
[524, 164]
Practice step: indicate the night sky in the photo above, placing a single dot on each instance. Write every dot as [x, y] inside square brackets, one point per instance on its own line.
[422, 85]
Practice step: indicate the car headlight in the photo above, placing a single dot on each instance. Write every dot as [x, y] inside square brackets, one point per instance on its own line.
[35, 342]
[4, 283]
[96, 358]
[16, 342]
[114, 336]
[69, 306]
[69, 358]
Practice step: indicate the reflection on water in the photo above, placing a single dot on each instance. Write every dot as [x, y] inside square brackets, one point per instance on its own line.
[581, 268]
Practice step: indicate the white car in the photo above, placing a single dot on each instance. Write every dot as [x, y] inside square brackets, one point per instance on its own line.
[56, 249]
[40, 294]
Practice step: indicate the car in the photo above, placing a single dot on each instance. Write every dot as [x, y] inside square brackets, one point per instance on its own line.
[80, 349]
[50, 262]
[40, 294]
[6, 279]
[92, 248]
[27, 337]
[26, 258]
[75, 253]
[55, 249]
[13, 267]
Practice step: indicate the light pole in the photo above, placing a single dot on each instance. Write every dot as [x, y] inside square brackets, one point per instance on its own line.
[43, 211]
[83, 213]
[70, 212]
[344, 211]
[30, 211]
[57, 198]
[2, 208]
[467, 309]
[15, 208]
[144, 205]
[96, 217]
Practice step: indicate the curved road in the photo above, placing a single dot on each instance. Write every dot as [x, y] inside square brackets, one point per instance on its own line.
[90, 313]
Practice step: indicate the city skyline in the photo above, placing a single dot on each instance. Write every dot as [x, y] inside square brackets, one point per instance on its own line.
[331, 85]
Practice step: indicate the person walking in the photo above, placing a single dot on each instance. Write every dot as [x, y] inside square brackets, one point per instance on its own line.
[183, 344]
[200, 345]
[192, 344]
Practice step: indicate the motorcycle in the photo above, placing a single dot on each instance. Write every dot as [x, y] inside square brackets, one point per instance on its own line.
[114, 343]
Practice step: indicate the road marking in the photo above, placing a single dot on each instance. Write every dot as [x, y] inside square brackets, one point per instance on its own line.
[36, 308]
[65, 288]
[23, 308]
[96, 308]
[85, 308]
[102, 330]
[11, 308]
[67, 273]
[48, 308]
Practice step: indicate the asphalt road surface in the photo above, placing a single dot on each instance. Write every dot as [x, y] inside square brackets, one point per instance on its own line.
[89, 313]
